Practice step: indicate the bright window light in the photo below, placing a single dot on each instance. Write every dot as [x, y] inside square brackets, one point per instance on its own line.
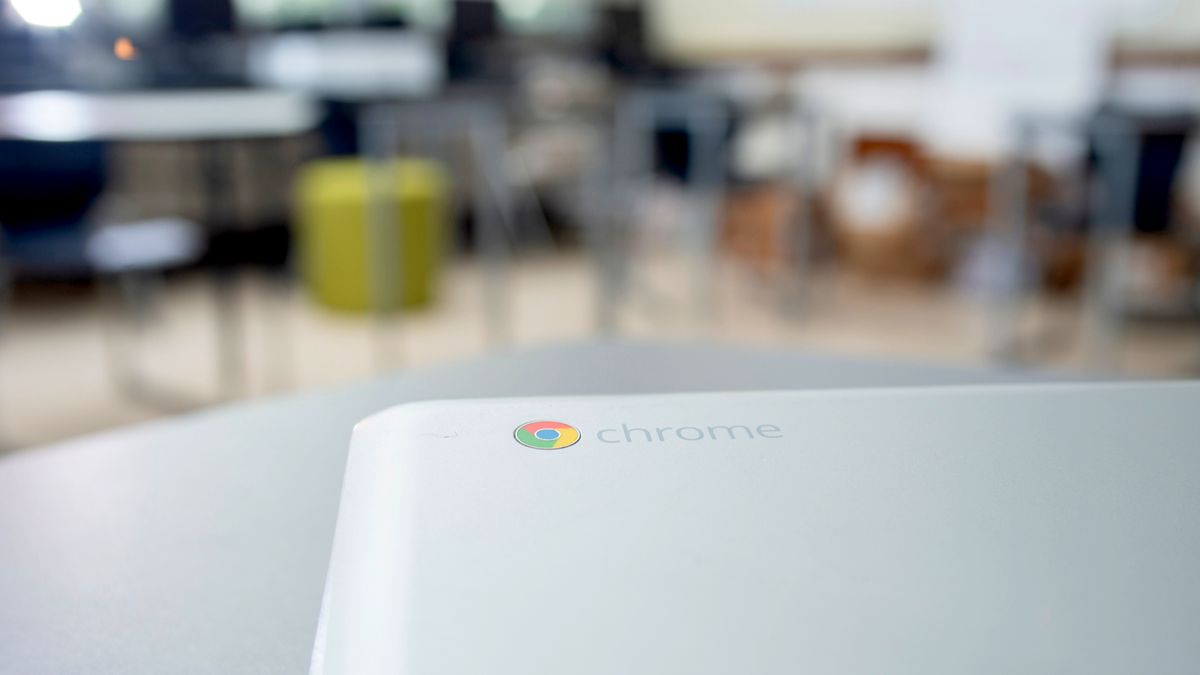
[48, 13]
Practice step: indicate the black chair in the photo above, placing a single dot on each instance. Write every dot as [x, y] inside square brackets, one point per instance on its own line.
[48, 193]
[1125, 186]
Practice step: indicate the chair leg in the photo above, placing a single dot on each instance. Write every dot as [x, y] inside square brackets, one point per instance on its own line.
[231, 363]
[132, 295]
[125, 293]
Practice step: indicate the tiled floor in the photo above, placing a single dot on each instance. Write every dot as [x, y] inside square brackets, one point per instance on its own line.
[55, 380]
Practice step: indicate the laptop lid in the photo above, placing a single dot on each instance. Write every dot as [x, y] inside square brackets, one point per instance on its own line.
[1031, 529]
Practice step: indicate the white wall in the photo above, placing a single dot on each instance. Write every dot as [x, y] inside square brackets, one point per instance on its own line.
[717, 28]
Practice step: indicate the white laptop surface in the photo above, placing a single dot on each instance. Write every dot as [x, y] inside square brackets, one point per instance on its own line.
[1016, 529]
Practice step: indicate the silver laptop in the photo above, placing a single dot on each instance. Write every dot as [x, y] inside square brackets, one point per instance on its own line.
[1014, 529]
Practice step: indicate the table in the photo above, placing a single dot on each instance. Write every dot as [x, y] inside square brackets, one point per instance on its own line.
[199, 544]
[350, 65]
[158, 115]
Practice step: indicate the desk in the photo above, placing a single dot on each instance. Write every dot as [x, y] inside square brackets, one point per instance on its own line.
[350, 65]
[199, 544]
[169, 115]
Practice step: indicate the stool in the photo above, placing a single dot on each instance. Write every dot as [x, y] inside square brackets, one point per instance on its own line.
[332, 216]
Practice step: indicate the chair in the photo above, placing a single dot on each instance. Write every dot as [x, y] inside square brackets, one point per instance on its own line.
[1133, 162]
[680, 135]
[48, 194]
[1127, 175]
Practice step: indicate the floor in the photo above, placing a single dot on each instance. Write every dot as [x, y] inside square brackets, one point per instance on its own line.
[56, 366]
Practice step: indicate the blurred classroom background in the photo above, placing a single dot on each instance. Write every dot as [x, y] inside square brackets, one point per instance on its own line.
[204, 201]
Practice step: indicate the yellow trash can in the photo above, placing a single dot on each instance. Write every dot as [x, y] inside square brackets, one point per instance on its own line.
[332, 215]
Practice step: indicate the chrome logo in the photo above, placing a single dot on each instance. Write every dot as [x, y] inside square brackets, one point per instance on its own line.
[546, 435]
